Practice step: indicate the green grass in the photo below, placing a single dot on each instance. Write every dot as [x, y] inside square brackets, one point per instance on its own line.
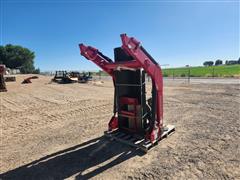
[218, 71]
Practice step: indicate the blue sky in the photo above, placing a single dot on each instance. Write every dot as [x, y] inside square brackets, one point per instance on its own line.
[174, 33]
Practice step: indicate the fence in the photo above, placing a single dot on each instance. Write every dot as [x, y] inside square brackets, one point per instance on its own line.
[211, 71]
[189, 73]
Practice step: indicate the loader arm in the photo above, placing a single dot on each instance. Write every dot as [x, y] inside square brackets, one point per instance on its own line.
[97, 57]
[134, 48]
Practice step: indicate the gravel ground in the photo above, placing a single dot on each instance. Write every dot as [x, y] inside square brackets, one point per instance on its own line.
[52, 131]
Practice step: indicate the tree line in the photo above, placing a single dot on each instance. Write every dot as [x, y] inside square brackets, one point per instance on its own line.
[18, 57]
[220, 62]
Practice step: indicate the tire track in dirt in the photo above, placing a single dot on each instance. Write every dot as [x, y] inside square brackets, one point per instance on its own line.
[82, 113]
[204, 146]
[85, 108]
[86, 130]
[206, 138]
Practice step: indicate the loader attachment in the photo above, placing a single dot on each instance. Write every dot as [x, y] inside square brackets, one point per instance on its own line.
[136, 121]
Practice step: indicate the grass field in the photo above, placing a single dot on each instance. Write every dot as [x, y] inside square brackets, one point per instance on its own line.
[200, 71]
[216, 71]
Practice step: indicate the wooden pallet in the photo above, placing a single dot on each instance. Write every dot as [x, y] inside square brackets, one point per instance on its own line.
[138, 141]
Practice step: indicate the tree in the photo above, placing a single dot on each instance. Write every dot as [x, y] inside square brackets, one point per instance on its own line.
[17, 57]
[36, 71]
[218, 62]
[231, 62]
[208, 63]
[2, 54]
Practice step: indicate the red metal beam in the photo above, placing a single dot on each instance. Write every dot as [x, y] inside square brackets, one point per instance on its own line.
[133, 48]
[93, 54]
[124, 65]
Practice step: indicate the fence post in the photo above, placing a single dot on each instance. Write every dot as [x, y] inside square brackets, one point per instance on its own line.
[213, 72]
[189, 75]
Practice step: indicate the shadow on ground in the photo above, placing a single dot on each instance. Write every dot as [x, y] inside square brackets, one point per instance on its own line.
[86, 160]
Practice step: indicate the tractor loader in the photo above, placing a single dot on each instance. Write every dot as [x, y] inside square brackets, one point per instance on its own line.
[136, 121]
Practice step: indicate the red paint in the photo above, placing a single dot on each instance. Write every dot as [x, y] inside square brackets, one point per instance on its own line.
[113, 123]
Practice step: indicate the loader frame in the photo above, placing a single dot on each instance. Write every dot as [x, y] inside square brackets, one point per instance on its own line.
[141, 60]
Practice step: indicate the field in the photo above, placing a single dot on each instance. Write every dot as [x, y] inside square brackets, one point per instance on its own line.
[210, 71]
[53, 131]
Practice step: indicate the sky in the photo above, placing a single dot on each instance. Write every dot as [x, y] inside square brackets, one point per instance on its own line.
[176, 33]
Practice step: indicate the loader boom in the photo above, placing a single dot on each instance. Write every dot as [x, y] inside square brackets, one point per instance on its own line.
[132, 61]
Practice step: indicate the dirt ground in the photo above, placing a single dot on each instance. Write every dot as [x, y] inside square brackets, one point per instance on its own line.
[53, 131]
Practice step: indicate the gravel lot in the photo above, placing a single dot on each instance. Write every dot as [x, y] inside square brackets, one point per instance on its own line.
[53, 131]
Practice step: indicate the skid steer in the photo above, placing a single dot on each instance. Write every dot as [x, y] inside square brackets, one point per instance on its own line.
[136, 121]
